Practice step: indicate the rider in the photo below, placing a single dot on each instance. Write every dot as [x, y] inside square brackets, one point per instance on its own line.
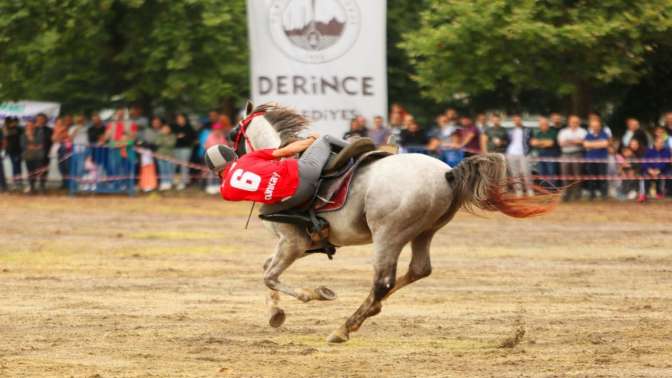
[274, 176]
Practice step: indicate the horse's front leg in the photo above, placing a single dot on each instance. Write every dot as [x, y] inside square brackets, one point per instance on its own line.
[288, 250]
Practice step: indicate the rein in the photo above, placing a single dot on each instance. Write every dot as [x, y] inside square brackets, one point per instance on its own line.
[242, 128]
[241, 135]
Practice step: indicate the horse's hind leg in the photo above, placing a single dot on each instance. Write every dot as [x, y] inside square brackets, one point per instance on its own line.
[420, 265]
[385, 269]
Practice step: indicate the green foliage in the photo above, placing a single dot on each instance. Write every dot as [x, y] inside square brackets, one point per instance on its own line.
[85, 53]
[475, 48]
[476, 54]
[402, 17]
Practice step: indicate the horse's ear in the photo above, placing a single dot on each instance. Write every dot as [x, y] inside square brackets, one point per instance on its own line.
[249, 107]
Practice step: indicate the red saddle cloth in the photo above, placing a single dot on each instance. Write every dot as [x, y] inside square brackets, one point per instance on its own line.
[333, 193]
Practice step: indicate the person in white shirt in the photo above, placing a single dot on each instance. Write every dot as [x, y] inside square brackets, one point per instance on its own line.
[79, 132]
[570, 140]
[516, 153]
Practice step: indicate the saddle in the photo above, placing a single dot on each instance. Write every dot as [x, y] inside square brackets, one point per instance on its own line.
[331, 194]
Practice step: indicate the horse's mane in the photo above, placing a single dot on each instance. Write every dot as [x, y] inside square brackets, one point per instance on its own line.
[287, 122]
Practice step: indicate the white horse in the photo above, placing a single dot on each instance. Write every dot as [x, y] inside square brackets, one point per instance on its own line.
[394, 201]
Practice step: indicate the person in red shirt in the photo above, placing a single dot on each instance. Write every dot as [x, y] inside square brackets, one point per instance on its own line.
[120, 130]
[272, 176]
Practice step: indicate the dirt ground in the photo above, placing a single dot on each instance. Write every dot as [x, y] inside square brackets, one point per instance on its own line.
[172, 287]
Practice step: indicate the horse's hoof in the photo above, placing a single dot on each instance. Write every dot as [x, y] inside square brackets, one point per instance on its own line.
[325, 294]
[338, 336]
[277, 317]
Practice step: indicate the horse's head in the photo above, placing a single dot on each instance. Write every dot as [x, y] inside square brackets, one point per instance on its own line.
[268, 126]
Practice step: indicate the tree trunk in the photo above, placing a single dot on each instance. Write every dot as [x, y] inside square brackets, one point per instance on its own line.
[582, 99]
[228, 106]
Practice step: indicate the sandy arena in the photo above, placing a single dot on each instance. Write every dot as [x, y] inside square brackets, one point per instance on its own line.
[172, 287]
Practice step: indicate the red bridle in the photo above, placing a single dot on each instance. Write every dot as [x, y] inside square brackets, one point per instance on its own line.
[242, 128]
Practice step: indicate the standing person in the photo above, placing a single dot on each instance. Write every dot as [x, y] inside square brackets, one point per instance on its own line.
[397, 115]
[216, 137]
[36, 146]
[185, 138]
[63, 145]
[451, 152]
[13, 148]
[78, 135]
[556, 121]
[440, 137]
[451, 115]
[67, 121]
[654, 170]
[596, 145]
[441, 134]
[357, 129]
[3, 179]
[96, 132]
[667, 123]
[495, 138]
[412, 138]
[570, 140]
[96, 139]
[481, 122]
[79, 132]
[136, 116]
[659, 132]
[224, 125]
[637, 151]
[470, 137]
[120, 135]
[203, 135]
[516, 157]
[148, 136]
[605, 127]
[634, 131]
[213, 117]
[147, 140]
[380, 133]
[628, 171]
[544, 143]
[121, 131]
[165, 148]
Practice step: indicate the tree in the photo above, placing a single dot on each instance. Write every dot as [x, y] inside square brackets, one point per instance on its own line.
[161, 53]
[554, 48]
[402, 17]
[182, 53]
[51, 51]
[652, 95]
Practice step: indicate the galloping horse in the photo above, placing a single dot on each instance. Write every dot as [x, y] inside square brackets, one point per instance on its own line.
[393, 201]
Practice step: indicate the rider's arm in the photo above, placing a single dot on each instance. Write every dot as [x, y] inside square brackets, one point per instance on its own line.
[294, 148]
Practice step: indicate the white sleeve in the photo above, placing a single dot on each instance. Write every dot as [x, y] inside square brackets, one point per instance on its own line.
[562, 136]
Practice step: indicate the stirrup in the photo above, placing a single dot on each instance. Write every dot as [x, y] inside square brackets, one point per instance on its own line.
[327, 248]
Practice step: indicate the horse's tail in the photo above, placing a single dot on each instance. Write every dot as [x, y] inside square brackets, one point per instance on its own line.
[481, 181]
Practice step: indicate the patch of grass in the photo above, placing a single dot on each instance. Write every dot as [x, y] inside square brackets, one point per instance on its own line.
[176, 235]
[38, 254]
[147, 251]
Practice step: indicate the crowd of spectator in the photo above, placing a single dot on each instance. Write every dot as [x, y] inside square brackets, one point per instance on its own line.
[555, 152]
[129, 140]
